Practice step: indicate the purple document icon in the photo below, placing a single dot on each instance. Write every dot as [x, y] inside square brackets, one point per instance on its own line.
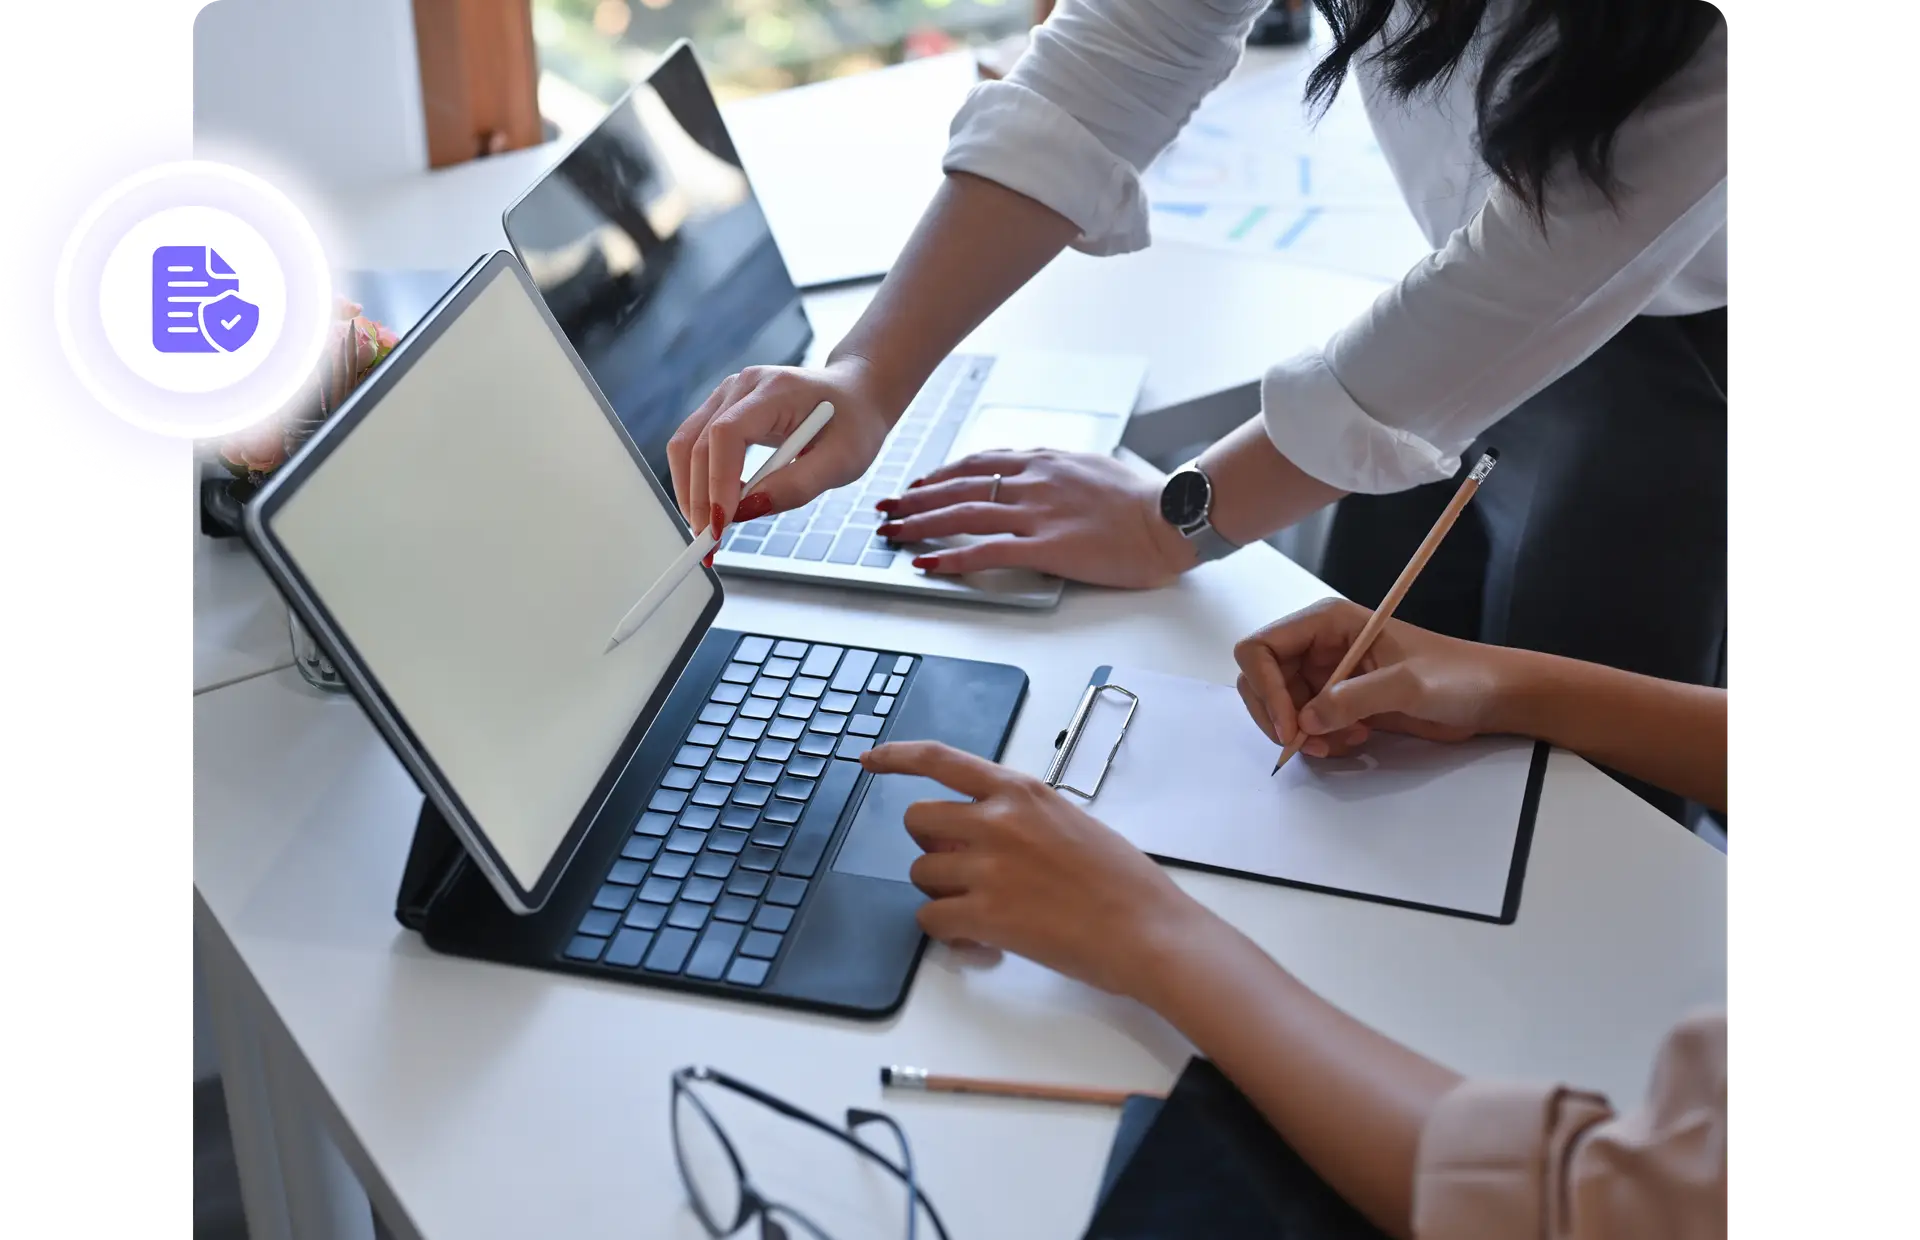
[196, 303]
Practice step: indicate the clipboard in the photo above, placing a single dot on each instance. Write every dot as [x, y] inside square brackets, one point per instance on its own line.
[1476, 802]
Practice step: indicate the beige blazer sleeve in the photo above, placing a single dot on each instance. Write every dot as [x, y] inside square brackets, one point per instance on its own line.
[1502, 1161]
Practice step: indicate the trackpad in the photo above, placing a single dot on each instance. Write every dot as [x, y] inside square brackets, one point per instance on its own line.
[1016, 429]
[877, 844]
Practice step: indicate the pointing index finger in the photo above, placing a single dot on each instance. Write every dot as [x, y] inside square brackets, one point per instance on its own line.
[963, 772]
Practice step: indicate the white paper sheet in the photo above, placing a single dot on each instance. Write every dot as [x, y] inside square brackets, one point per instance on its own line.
[1406, 820]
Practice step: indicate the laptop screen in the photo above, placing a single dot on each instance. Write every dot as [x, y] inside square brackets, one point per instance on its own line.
[652, 252]
[473, 528]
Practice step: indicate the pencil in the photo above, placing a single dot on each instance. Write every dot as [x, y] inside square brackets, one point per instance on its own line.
[921, 1079]
[1383, 613]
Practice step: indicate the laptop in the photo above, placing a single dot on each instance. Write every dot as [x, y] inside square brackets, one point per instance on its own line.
[685, 811]
[649, 245]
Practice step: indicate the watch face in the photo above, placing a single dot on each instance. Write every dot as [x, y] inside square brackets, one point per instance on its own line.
[1183, 502]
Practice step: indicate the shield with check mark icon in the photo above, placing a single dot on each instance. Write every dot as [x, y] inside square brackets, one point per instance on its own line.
[229, 322]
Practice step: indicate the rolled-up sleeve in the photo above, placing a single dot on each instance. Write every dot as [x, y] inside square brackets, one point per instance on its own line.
[1101, 91]
[1502, 1162]
[1507, 305]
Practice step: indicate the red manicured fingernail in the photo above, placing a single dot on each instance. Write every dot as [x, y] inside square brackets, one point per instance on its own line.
[753, 507]
[889, 529]
[718, 522]
[887, 506]
[916, 483]
[927, 562]
[709, 560]
[803, 452]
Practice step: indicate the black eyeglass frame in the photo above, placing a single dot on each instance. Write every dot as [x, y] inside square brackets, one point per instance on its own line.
[753, 1204]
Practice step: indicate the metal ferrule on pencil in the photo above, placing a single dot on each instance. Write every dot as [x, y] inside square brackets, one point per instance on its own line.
[905, 1078]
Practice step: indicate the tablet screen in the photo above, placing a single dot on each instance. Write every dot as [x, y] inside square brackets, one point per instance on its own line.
[475, 535]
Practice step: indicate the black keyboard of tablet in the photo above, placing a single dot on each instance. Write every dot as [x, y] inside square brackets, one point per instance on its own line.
[716, 870]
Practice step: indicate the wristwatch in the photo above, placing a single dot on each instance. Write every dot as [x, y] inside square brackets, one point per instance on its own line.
[1186, 503]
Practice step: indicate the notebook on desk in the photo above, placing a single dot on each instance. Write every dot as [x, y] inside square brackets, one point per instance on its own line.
[1176, 766]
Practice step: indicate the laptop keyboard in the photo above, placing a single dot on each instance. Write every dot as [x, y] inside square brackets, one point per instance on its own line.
[837, 527]
[713, 875]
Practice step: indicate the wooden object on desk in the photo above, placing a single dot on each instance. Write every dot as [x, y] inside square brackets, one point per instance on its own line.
[478, 78]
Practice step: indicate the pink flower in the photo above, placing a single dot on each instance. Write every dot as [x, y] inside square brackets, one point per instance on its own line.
[355, 345]
[258, 449]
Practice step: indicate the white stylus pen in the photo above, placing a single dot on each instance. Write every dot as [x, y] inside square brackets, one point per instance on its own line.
[702, 546]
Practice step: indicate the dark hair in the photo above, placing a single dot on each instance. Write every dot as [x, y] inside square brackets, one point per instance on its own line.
[1559, 79]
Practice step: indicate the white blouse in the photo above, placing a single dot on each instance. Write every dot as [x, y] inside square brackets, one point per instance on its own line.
[1499, 310]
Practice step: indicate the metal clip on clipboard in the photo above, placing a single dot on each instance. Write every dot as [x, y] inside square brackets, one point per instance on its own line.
[1069, 740]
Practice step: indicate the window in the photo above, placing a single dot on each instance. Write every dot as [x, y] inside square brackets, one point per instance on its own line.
[590, 51]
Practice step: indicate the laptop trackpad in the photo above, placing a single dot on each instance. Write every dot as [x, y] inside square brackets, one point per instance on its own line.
[1017, 428]
[877, 844]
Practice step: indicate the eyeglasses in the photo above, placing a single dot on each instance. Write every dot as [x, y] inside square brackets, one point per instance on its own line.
[716, 1180]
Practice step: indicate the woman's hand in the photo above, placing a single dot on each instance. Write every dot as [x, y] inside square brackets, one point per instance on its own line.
[1074, 515]
[763, 405]
[1020, 869]
[1410, 681]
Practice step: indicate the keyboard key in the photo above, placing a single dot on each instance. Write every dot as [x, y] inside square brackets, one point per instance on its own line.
[853, 670]
[848, 548]
[704, 734]
[699, 817]
[716, 713]
[748, 729]
[791, 650]
[729, 695]
[688, 916]
[739, 673]
[710, 794]
[814, 547]
[763, 773]
[727, 841]
[807, 766]
[600, 921]
[761, 944]
[753, 650]
[862, 725]
[796, 708]
[754, 795]
[685, 841]
[627, 873]
[716, 948]
[655, 824]
[772, 835]
[773, 917]
[877, 559]
[646, 916]
[852, 747]
[753, 857]
[769, 687]
[818, 742]
[729, 772]
[660, 890]
[785, 669]
[809, 687]
[613, 896]
[701, 890]
[877, 683]
[667, 801]
[629, 948]
[641, 848]
[884, 705]
[713, 864]
[747, 971]
[775, 751]
[673, 865]
[788, 891]
[734, 750]
[803, 855]
[758, 708]
[839, 703]
[786, 729]
[729, 908]
[793, 789]
[866, 519]
[585, 947]
[681, 778]
[821, 661]
[903, 665]
[739, 816]
[830, 724]
[783, 811]
[747, 883]
[670, 948]
[695, 756]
